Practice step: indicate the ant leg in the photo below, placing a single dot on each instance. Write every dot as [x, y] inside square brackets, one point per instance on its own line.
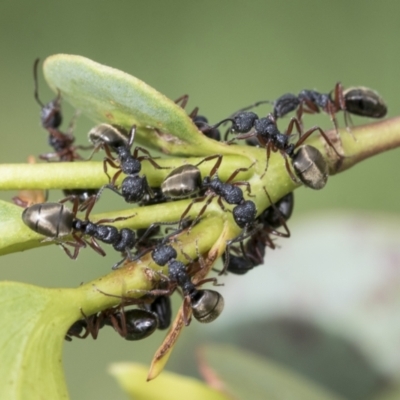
[88, 205]
[107, 220]
[75, 200]
[131, 136]
[183, 100]
[198, 200]
[127, 300]
[153, 292]
[108, 186]
[95, 246]
[66, 138]
[294, 122]
[147, 188]
[95, 150]
[312, 108]
[287, 165]
[258, 103]
[201, 211]
[248, 187]
[268, 242]
[244, 235]
[340, 104]
[115, 177]
[194, 113]
[213, 280]
[72, 123]
[268, 155]
[151, 230]
[112, 164]
[227, 132]
[311, 131]
[331, 111]
[93, 323]
[107, 150]
[119, 326]
[80, 147]
[299, 114]
[221, 204]
[242, 136]
[227, 259]
[147, 157]
[79, 243]
[281, 219]
[119, 263]
[77, 247]
[216, 165]
[234, 173]
[348, 122]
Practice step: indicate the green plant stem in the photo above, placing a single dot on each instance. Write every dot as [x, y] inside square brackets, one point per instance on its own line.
[370, 140]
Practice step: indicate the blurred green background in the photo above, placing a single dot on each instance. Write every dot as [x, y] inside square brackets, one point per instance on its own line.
[225, 55]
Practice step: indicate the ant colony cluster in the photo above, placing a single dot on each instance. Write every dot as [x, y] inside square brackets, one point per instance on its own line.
[303, 163]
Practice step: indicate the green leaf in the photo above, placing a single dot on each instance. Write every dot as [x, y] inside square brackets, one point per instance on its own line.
[247, 376]
[14, 234]
[168, 386]
[106, 94]
[34, 321]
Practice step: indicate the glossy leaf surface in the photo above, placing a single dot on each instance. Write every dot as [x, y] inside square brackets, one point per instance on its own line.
[106, 94]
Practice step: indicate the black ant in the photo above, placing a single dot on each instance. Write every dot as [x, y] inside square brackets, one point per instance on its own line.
[253, 252]
[360, 101]
[134, 324]
[200, 121]
[205, 304]
[269, 136]
[62, 143]
[133, 187]
[185, 181]
[56, 221]
[258, 230]
[161, 306]
[272, 218]
[51, 118]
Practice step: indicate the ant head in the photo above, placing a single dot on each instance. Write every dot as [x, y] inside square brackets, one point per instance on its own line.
[244, 213]
[244, 121]
[51, 113]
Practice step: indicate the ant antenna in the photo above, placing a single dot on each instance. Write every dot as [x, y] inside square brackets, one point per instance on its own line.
[35, 78]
